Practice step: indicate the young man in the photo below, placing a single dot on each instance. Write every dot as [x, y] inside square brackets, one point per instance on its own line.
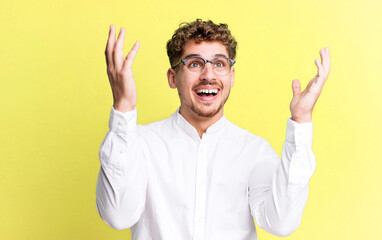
[196, 175]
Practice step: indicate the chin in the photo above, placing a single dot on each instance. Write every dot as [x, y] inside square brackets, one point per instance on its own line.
[206, 112]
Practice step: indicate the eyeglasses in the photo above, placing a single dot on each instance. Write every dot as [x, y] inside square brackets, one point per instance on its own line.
[196, 65]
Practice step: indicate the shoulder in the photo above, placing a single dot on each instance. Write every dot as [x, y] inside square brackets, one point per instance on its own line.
[257, 146]
[245, 137]
[155, 128]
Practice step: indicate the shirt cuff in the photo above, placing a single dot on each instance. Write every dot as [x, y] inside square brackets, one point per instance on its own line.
[123, 122]
[299, 133]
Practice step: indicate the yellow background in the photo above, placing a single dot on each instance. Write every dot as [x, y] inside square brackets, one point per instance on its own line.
[55, 102]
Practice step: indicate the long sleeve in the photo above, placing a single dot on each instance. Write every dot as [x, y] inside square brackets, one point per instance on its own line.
[123, 176]
[278, 190]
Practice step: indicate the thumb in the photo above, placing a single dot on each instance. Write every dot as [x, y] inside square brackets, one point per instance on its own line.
[296, 87]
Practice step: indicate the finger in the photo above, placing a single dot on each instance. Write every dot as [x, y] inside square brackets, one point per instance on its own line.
[320, 80]
[110, 47]
[328, 58]
[130, 57]
[296, 88]
[320, 68]
[118, 49]
[322, 55]
[324, 61]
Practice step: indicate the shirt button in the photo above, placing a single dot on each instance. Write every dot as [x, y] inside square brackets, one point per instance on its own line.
[294, 163]
[202, 149]
[121, 151]
[120, 122]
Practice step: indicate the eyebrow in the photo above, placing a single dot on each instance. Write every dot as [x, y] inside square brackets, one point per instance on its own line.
[198, 55]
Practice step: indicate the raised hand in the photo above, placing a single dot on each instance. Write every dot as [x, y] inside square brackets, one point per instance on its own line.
[302, 104]
[119, 71]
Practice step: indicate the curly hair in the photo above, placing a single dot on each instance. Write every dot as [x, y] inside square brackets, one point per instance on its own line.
[199, 31]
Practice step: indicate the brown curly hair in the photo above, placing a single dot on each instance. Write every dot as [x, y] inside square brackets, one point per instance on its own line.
[199, 31]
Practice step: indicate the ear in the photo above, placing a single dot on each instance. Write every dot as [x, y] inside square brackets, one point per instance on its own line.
[232, 76]
[171, 78]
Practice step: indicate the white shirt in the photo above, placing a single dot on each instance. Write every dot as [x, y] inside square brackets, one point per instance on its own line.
[165, 182]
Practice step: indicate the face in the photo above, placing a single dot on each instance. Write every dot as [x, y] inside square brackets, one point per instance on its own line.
[192, 87]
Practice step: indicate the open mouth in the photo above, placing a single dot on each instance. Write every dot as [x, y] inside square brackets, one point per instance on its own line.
[207, 92]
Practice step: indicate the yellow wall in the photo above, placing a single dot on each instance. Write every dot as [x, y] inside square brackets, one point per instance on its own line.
[55, 101]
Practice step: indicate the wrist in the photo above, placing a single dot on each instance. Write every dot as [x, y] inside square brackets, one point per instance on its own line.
[123, 107]
[302, 119]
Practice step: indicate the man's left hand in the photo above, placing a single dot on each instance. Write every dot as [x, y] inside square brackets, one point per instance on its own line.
[302, 104]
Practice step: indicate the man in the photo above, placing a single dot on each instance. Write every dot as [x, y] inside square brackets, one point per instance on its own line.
[196, 175]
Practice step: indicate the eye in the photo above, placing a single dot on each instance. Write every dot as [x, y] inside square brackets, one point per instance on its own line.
[220, 63]
[194, 64]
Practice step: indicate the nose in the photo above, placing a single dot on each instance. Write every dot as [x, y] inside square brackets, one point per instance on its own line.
[208, 72]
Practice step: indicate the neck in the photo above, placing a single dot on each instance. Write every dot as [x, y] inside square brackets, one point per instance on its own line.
[201, 124]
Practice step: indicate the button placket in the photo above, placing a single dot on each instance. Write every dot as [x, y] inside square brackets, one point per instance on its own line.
[200, 199]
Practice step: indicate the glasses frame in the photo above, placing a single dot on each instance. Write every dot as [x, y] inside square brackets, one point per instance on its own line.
[184, 61]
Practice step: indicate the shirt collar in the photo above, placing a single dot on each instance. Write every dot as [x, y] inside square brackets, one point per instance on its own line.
[188, 128]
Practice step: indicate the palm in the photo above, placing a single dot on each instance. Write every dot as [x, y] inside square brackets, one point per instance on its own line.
[302, 103]
[119, 71]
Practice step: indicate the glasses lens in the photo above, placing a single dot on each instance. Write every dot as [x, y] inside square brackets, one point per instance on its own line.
[222, 66]
[195, 65]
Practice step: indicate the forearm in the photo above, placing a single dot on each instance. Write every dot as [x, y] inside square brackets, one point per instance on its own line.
[279, 205]
[281, 214]
[122, 179]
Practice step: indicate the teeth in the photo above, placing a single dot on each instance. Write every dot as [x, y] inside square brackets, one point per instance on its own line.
[207, 91]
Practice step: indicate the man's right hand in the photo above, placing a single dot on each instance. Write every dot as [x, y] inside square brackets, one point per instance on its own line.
[119, 71]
